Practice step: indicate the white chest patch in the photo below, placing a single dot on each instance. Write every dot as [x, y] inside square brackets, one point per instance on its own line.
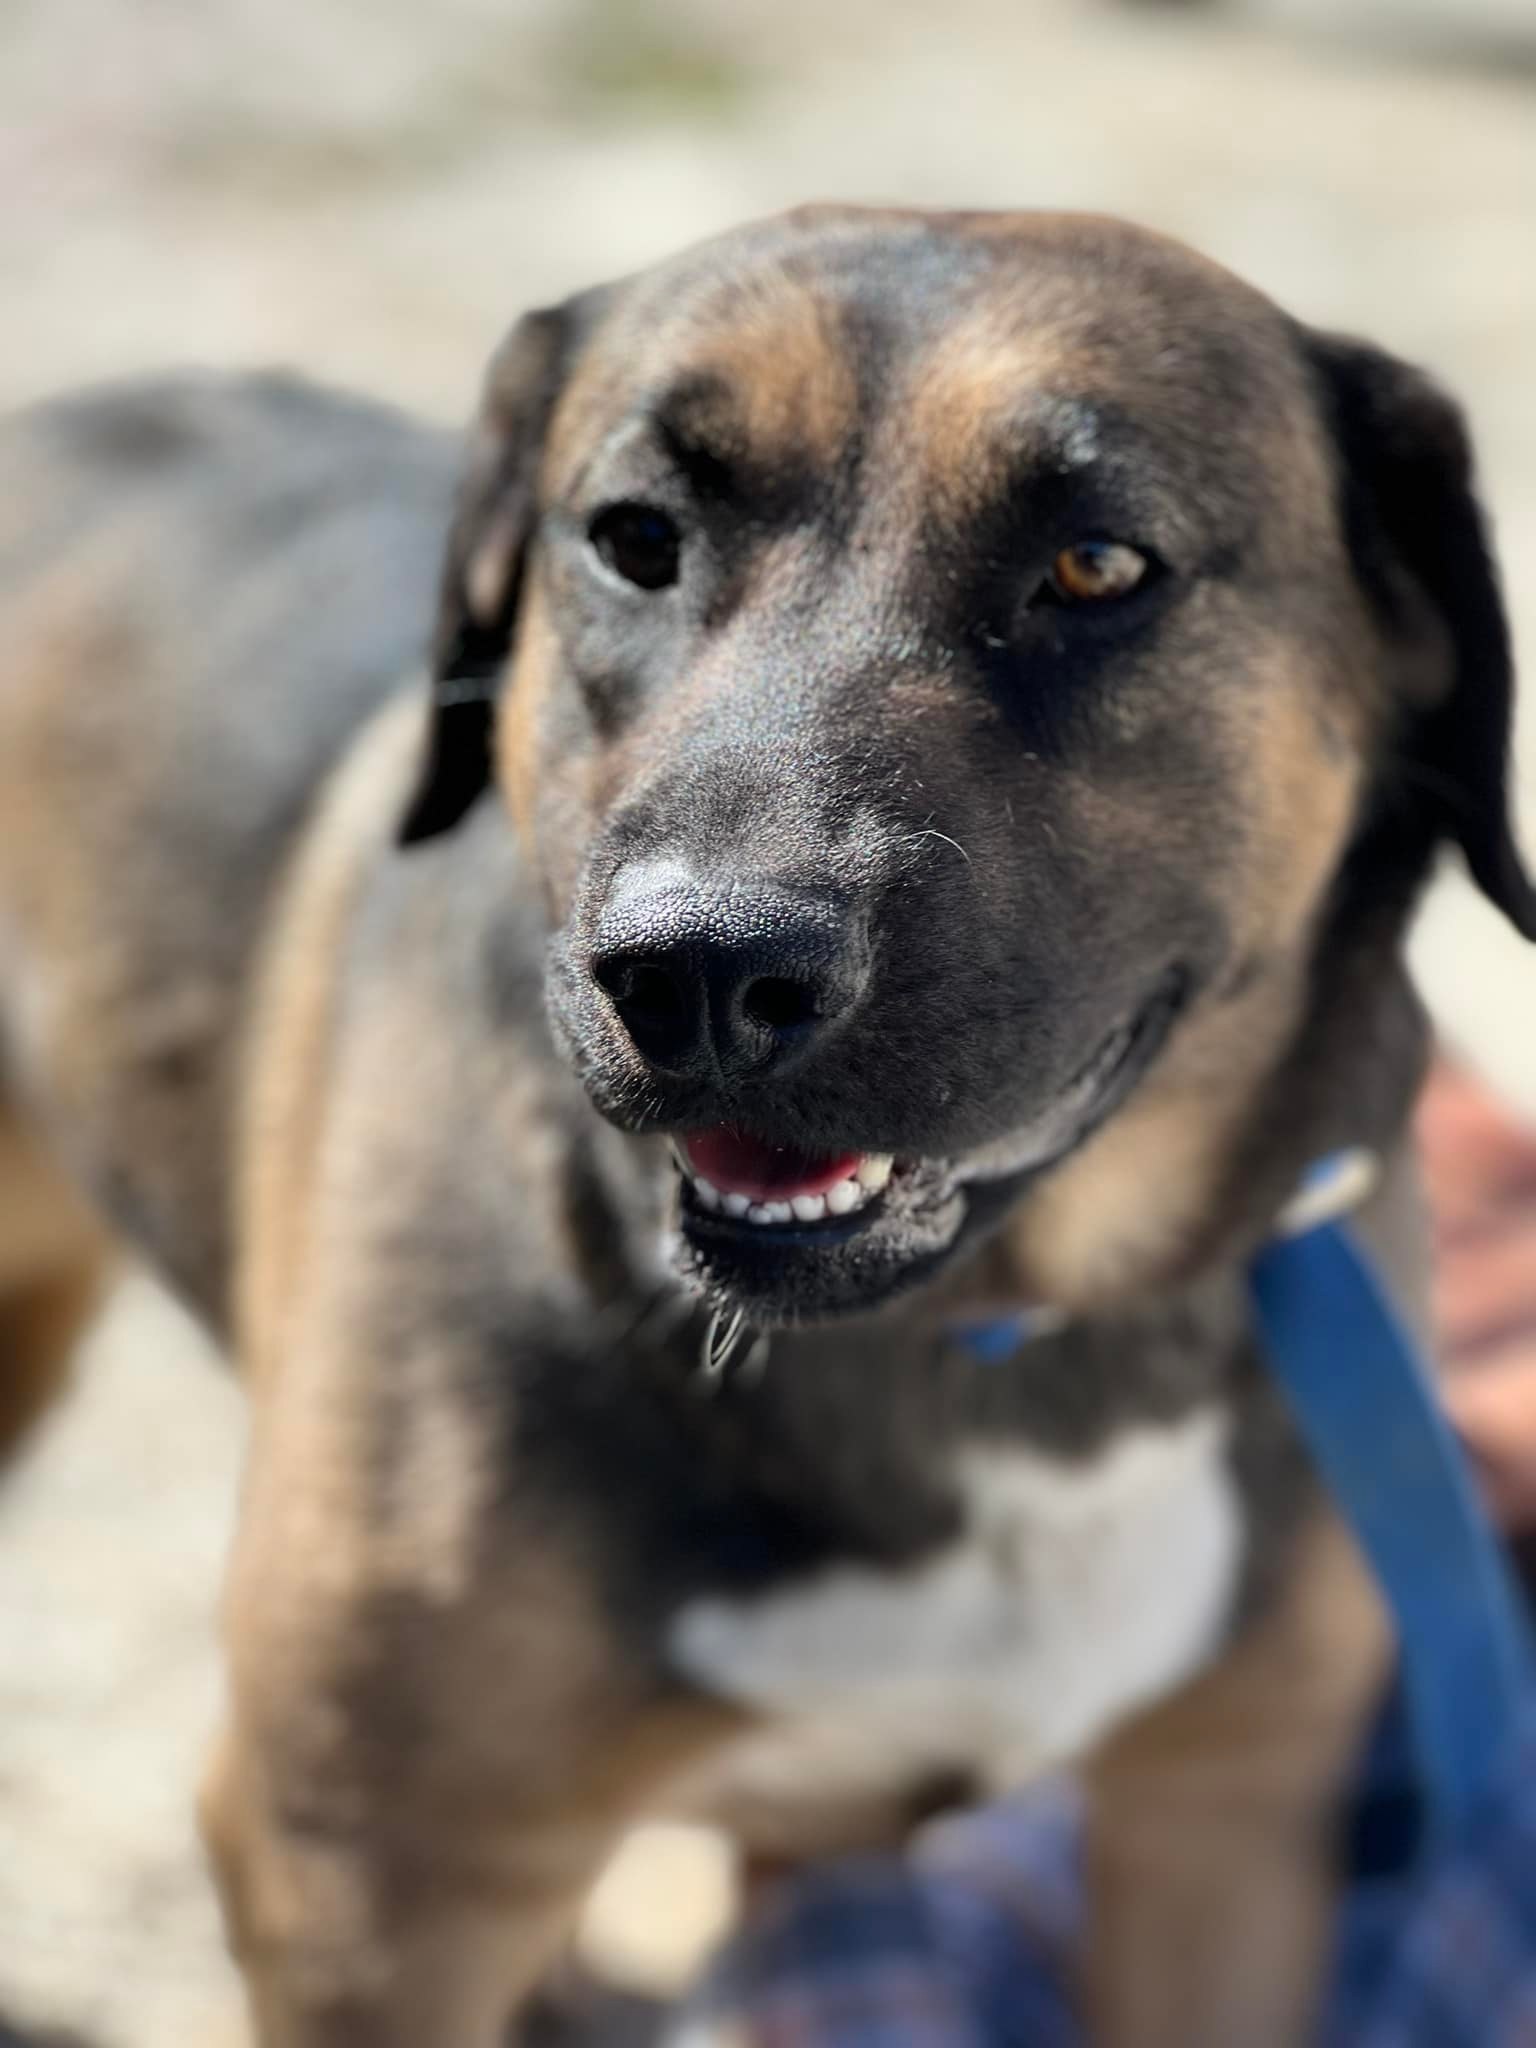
[1076, 1592]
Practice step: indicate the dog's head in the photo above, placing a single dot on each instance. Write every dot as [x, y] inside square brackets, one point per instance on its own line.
[940, 668]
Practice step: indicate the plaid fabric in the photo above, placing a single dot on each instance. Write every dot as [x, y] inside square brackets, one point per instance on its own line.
[970, 1941]
[1461, 1972]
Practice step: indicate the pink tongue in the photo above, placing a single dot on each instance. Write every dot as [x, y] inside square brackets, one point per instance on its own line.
[738, 1165]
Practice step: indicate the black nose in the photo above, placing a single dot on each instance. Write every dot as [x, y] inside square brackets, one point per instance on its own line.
[709, 976]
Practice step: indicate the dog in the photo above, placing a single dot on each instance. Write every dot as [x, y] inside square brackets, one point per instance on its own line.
[937, 724]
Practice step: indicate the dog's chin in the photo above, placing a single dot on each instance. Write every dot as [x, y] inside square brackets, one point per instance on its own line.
[788, 1237]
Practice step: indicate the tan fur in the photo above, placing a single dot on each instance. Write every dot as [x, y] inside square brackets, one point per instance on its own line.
[1211, 1838]
[285, 1074]
[962, 421]
[1211, 1856]
[774, 383]
[54, 1254]
[529, 684]
[1089, 1234]
[1308, 753]
[791, 391]
[54, 1259]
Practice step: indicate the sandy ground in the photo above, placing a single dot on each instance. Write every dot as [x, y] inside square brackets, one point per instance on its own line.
[371, 188]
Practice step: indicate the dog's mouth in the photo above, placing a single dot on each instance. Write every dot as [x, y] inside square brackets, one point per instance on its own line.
[729, 1173]
[790, 1235]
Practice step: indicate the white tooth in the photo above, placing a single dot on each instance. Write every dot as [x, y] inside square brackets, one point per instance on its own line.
[845, 1196]
[874, 1171]
[707, 1193]
[736, 1205]
[809, 1208]
[778, 1212]
[758, 1213]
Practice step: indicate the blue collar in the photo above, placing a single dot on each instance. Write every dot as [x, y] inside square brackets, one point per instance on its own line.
[1363, 1399]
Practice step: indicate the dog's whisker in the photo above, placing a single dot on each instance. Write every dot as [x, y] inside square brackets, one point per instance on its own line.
[933, 832]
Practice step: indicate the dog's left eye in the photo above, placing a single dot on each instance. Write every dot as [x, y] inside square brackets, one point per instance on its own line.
[639, 543]
[1095, 572]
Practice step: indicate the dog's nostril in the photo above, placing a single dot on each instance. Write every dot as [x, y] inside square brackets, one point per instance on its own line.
[779, 1005]
[653, 994]
[645, 993]
[615, 978]
[721, 984]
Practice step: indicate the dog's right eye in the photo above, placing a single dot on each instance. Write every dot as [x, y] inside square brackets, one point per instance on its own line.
[637, 542]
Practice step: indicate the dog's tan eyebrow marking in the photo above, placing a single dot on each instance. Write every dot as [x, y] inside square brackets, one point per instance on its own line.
[1014, 390]
[701, 431]
[1074, 457]
[711, 455]
[776, 376]
[982, 369]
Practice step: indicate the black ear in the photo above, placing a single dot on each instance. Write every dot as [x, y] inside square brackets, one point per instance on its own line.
[1421, 549]
[483, 573]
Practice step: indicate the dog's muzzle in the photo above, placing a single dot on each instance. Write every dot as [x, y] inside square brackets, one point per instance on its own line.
[785, 1234]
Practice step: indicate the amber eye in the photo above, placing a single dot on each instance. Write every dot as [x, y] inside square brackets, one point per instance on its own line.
[1096, 572]
[638, 543]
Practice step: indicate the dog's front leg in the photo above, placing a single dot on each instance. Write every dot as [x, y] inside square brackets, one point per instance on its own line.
[1212, 1836]
[364, 1929]
[423, 1767]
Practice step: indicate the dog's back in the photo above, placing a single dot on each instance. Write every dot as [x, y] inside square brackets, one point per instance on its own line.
[207, 586]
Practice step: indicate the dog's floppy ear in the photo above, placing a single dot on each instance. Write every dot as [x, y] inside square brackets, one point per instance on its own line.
[483, 573]
[1421, 549]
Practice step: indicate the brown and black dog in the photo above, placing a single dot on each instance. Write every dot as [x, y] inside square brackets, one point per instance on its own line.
[970, 702]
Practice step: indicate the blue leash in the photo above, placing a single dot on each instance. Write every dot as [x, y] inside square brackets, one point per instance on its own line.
[1364, 1402]
[1362, 1397]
